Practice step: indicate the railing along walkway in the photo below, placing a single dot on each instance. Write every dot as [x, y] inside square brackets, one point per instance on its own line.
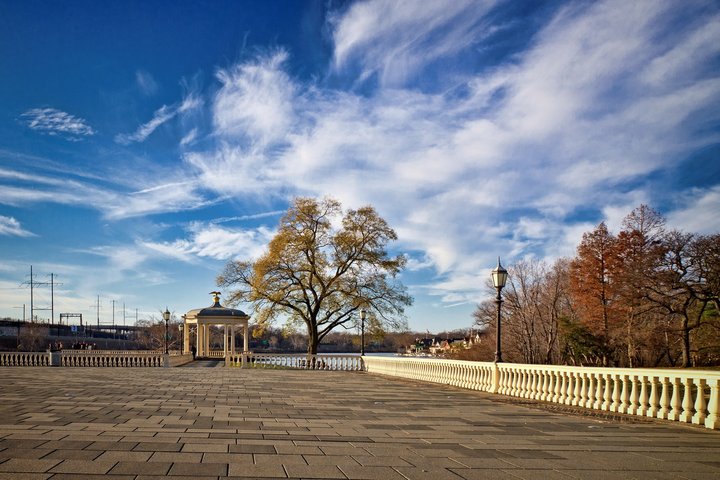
[296, 360]
[690, 396]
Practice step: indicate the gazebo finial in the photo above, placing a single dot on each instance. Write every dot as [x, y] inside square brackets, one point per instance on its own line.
[216, 298]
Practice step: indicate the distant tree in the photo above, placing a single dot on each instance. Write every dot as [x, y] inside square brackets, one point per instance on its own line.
[591, 288]
[320, 273]
[639, 251]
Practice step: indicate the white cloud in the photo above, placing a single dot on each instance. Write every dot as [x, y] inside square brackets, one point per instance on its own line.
[161, 116]
[697, 212]
[255, 99]
[9, 226]
[212, 241]
[396, 39]
[146, 83]
[52, 121]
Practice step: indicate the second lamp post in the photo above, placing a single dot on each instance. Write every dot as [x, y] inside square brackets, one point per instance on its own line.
[499, 277]
[166, 317]
[363, 315]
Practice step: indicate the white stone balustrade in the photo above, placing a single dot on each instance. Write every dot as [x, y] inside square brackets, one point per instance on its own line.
[101, 359]
[296, 360]
[25, 359]
[691, 396]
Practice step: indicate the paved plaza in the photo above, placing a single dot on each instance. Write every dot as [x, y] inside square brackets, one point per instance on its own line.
[216, 423]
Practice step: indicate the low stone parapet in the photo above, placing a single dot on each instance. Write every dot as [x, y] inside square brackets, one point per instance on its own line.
[296, 361]
[690, 396]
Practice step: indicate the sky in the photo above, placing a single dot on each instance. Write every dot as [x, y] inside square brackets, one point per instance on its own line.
[143, 145]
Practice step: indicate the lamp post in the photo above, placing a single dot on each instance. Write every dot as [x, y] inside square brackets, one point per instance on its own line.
[363, 314]
[499, 277]
[166, 316]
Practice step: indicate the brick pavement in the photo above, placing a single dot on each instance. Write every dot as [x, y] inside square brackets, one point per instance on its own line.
[216, 423]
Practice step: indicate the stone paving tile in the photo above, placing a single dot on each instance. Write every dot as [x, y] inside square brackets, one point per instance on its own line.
[244, 458]
[330, 460]
[195, 469]
[24, 453]
[487, 474]
[73, 454]
[262, 459]
[256, 471]
[75, 476]
[314, 471]
[176, 457]
[370, 473]
[252, 448]
[157, 447]
[413, 473]
[24, 476]
[82, 466]
[23, 465]
[140, 468]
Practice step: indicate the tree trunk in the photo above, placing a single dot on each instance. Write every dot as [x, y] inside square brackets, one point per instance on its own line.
[685, 332]
[313, 342]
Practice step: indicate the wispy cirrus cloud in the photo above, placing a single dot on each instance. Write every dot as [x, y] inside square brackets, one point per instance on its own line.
[146, 83]
[9, 226]
[161, 116]
[52, 121]
[211, 241]
[397, 39]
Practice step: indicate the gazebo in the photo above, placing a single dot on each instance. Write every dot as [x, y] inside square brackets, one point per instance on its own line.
[204, 318]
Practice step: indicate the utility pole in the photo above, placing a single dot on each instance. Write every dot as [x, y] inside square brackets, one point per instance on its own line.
[32, 283]
[98, 311]
[32, 317]
[52, 298]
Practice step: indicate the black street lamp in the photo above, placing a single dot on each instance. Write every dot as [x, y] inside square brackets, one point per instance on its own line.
[499, 277]
[166, 316]
[363, 314]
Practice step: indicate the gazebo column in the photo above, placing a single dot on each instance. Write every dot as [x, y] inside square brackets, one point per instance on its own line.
[206, 338]
[246, 343]
[186, 337]
[225, 342]
[198, 340]
[232, 339]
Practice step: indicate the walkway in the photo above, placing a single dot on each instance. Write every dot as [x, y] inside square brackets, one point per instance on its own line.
[212, 423]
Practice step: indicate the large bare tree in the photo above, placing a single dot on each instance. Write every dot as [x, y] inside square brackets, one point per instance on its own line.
[321, 269]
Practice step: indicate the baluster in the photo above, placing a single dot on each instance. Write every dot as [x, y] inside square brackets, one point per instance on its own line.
[591, 391]
[700, 415]
[607, 393]
[664, 402]
[615, 399]
[624, 406]
[584, 391]
[570, 393]
[578, 388]
[687, 404]
[642, 402]
[546, 385]
[675, 401]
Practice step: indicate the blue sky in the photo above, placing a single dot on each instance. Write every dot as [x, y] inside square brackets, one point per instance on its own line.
[145, 144]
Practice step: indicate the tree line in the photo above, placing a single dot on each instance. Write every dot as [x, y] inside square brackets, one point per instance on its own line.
[646, 296]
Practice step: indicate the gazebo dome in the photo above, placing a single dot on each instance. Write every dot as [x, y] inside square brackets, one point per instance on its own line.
[217, 310]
